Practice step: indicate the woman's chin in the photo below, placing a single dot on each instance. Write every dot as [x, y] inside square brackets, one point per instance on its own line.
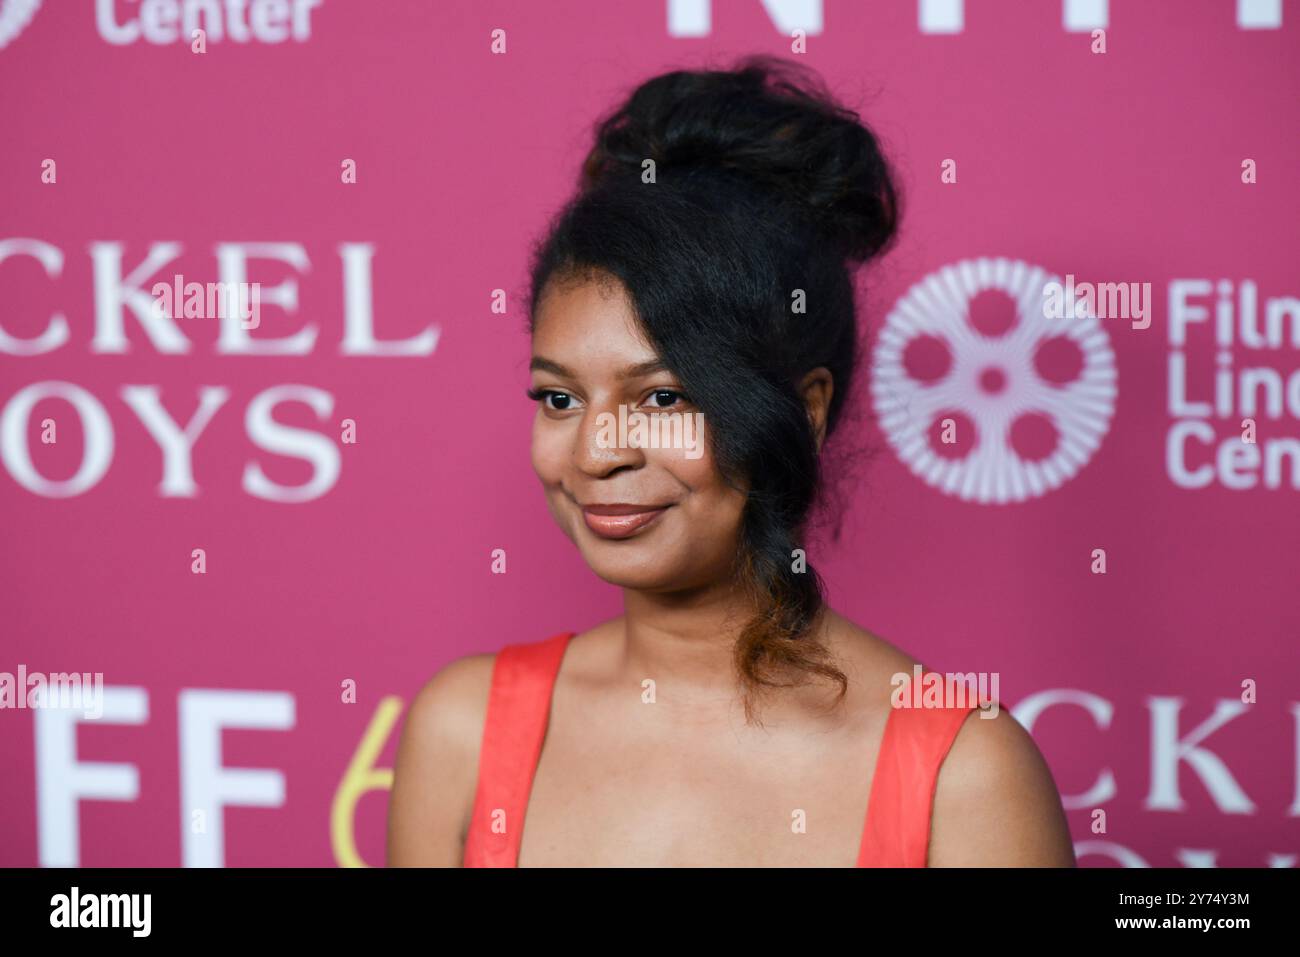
[638, 578]
[641, 570]
[656, 575]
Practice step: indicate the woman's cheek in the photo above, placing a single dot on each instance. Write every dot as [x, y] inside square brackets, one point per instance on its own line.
[694, 473]
[549, 451]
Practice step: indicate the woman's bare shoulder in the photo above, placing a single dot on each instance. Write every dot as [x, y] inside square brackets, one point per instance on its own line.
[869, 658]
[995, 802]
[436, 770]
[450, 708]
[435, 774]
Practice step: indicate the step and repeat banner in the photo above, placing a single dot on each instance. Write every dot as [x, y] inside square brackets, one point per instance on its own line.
[238, 538]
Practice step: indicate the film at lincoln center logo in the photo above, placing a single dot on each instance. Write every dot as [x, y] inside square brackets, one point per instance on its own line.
[982, 392]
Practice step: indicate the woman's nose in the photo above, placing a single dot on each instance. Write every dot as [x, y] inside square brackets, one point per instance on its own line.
[601, 443]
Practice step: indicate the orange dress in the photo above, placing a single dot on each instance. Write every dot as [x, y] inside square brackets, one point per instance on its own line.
[896, 832]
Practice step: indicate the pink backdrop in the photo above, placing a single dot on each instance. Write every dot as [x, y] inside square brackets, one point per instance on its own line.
[1125, 166]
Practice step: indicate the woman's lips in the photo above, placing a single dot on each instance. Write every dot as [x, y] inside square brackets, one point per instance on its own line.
[620, 521]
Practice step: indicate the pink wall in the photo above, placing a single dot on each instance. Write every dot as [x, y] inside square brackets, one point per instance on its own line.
[1117, 167]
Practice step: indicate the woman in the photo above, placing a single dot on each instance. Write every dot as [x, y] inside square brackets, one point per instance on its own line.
[703, 273]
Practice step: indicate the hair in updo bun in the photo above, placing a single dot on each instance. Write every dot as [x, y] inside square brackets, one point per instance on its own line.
[763, 185]
[770, 122]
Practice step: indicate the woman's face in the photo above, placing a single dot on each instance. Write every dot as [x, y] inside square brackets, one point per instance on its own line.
[646, 506]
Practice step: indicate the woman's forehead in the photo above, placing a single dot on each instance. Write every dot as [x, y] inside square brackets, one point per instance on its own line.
[586, 319]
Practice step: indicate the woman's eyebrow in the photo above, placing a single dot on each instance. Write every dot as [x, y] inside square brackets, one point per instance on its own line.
[649, 367]
[541, 364]
[643, 369]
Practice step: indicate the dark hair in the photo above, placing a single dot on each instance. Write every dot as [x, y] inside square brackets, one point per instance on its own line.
[762, 185]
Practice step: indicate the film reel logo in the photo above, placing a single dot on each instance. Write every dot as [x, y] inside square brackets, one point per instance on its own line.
[981, 393]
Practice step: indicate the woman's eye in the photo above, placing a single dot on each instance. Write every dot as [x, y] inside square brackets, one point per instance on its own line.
[553, 399]
[664, 398]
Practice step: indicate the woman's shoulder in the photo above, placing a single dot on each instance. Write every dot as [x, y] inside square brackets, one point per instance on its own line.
[455, 697]
[995, 801]
[436, 765]
[435, 772]
[452, 703]
[451, 706]
[443, 726]
[871, 662]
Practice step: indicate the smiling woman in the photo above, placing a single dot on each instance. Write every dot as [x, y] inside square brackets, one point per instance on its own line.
[729, 717]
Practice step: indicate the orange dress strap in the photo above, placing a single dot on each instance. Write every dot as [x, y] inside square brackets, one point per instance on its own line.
[519, 706]
[897, 829]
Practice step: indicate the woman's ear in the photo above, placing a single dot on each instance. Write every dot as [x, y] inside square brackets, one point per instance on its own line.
[817, 387]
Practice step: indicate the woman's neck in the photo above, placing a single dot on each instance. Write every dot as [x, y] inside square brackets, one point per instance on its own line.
[685, 640]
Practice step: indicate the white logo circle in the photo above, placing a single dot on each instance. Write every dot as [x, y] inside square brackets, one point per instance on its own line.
[994, 381]
[14, 16]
